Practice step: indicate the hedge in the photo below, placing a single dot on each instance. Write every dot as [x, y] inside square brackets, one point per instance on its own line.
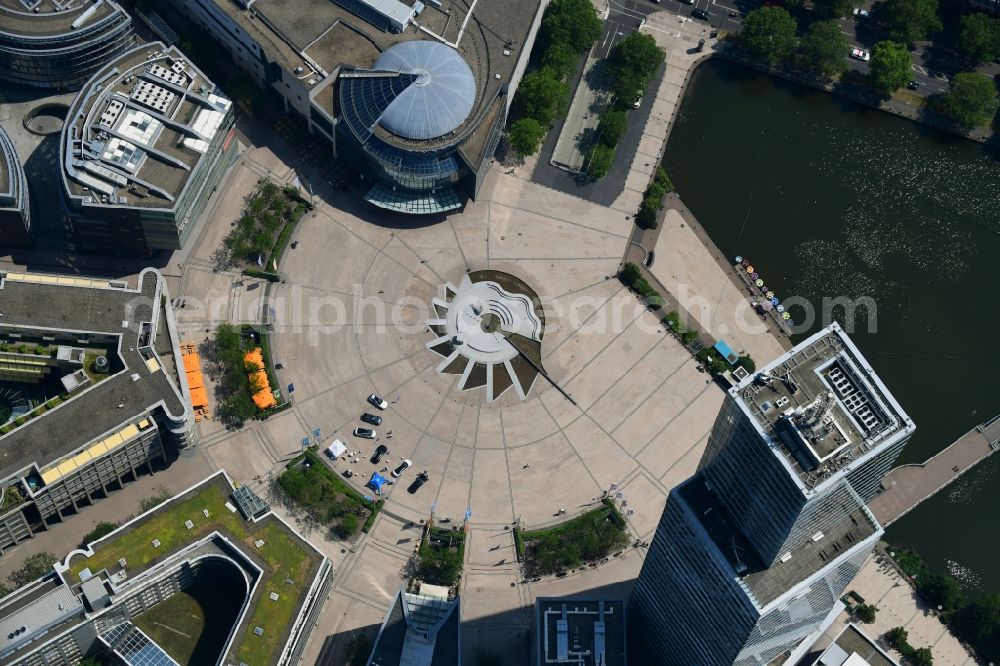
[652, 200]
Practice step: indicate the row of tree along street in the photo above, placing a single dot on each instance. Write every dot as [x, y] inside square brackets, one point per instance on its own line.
[771, 34]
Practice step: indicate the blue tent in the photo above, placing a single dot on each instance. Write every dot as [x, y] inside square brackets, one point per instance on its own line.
[376, 482]
[726, 352]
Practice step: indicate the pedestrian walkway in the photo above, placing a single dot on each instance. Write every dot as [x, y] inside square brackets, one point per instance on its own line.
[881, 585]
[907, 486]
[678, 36]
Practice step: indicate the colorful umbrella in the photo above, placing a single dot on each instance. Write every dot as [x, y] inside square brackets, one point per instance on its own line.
[759, 282]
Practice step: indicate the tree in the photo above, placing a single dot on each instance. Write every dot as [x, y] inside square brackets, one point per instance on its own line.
[978, 622]
[100, 530]
[572, 22]
[896, 637]
[34, 567]
[599, 161]
[910, 21]
[922, 657]
[940, 590]
[866, 613]
[769, 33]
[633, 63]
[541, 96]
[747, 363]
[979, 37]
[611, 127]
[971, 101]
[630, 273]
[834, 8]
[526, 135]
[561, 58]
[823, 46]
[891, 67]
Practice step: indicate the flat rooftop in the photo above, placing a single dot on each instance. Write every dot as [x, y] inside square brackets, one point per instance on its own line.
[33, 304]
[854, 648]
[323, 37]
[419, 630]
[39, 18]
[289, 564]
[823, 407]
[768, 583]
[136, 134]
[580, 631]
[284, 574]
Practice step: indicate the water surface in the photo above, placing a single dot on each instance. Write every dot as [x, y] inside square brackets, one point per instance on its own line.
[832, 199]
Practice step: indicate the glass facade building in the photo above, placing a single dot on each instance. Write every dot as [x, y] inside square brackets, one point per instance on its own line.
[15, 209]
[52, 45]
[407, 117]
[753, 552]
[145, 145]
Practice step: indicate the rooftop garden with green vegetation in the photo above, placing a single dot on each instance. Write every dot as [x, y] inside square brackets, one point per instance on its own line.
[309, 485]
[285, 556]
[587, 538]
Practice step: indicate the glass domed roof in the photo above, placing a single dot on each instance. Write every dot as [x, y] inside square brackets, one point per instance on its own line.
[440, 97]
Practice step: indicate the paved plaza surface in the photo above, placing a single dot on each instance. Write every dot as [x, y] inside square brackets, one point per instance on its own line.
[898, 606]
[711, 297]
[350, 319]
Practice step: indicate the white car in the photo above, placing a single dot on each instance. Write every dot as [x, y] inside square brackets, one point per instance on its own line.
[862, 13]
[377, 401]
[365, 433]
[402, 467]
[861, 54]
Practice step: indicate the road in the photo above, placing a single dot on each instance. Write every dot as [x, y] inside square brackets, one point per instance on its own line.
[624, 16]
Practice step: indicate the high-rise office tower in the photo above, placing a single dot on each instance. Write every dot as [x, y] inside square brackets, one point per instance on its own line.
[753, 551]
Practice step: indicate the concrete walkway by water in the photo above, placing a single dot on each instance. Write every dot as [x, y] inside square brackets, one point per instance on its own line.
[909, 485]
[899, 606]
[678, 36]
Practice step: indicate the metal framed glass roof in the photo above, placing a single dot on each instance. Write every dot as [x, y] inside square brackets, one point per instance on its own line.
[251, 506]
[402, 200]
[135, 647]
[439, 96]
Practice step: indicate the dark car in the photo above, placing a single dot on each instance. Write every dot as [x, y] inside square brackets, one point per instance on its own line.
[380, 451]
[417, 482]
[700, 14]
[371, 418]
[913, 85]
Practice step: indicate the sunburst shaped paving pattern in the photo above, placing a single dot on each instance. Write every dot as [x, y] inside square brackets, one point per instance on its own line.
[489, 331]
